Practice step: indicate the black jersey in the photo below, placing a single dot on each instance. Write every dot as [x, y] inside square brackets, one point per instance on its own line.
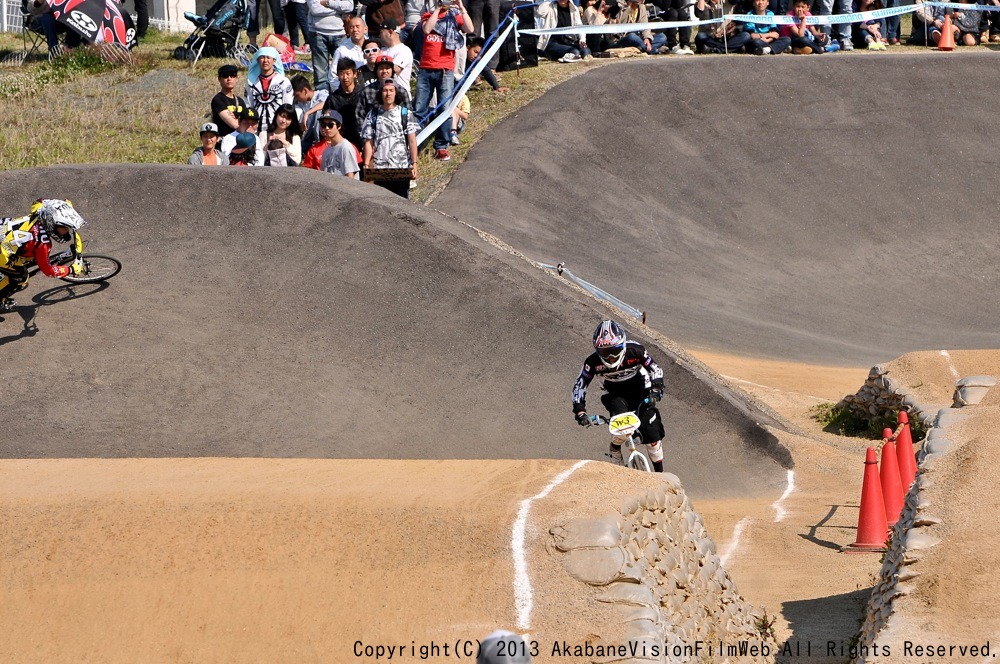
[636, 373]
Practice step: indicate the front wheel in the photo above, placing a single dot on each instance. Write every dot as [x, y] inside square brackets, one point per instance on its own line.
[638, 461]
[97, 268]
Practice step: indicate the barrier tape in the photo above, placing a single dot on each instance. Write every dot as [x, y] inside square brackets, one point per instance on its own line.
[616, 28]
[958, 5]
[599, 293]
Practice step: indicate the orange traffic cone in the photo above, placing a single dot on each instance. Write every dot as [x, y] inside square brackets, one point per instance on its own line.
[904, 453]
[892, 487]
[872, 527]
[947, 41]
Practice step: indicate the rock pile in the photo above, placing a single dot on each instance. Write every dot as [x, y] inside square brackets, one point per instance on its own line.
[655, 562]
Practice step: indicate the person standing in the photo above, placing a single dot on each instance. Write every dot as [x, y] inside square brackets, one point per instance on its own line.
[402, 56]
[444, 33]
[327, 31]
[340, 156]
[267, 87]
[227, 105]
[345, 100]
[390, 134]
[352, 47]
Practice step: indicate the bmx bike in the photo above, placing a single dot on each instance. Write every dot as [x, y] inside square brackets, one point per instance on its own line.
[96, 268]
[625, 427]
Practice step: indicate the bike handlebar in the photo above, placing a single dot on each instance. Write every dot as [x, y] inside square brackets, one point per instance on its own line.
[600, 419]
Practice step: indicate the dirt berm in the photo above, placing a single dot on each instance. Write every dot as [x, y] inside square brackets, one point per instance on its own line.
[271, 313]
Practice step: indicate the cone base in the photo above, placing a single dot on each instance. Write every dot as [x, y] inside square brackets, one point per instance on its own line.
[857, 547]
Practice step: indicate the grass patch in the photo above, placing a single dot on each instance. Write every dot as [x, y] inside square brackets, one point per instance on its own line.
[843, 421]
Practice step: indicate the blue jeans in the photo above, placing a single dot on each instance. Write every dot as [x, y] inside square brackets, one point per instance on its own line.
[322, 47]
[891, 26]
[555, 50]
[442, 81]
[633, 39]
[842, 31]
[296, 16]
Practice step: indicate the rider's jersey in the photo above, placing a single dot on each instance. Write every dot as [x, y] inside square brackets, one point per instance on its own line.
[24, 241]
[637, 372]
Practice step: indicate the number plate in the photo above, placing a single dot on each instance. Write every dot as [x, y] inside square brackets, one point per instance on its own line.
[624, 424]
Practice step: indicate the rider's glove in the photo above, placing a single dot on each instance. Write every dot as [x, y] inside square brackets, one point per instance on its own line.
[655, 395]
[582, 419]
[78, 267]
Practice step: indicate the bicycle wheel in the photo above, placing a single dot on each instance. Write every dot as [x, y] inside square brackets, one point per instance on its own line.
[638, 461]
[98, 268]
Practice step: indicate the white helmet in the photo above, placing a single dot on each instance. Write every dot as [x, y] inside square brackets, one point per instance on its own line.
[609, 342]
[53, 212]
[503, 647]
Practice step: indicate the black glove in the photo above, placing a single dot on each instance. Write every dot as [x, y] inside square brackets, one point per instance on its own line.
[655, 395]
[582, 419]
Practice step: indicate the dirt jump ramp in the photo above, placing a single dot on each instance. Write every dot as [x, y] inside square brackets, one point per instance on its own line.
[274, 313]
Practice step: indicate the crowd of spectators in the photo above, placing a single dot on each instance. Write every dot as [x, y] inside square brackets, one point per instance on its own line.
[359, 114]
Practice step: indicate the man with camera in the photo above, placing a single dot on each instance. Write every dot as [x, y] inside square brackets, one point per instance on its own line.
[444, 33]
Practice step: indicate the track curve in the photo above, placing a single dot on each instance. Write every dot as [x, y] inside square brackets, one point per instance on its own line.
[825, 210]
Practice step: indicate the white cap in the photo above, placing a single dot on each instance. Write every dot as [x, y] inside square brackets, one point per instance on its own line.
[209, 126]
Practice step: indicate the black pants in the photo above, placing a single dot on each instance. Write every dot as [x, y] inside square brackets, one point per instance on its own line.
[141, 18]
[672, 11]
[617, 403]
[277, 15]
[398, 187]
[12, 279]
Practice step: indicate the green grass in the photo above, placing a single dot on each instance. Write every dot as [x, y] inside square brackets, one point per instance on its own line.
[844, 422]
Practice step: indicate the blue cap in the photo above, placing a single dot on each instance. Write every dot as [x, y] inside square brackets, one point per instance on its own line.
[246, 140]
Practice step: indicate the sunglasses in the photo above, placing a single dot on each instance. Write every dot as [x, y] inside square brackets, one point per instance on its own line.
[328, 125]
[369, 51]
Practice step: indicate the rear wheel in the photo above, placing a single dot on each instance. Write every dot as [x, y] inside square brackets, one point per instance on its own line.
[97, 268]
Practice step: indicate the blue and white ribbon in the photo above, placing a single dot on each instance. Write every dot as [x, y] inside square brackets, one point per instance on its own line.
[616, 28]
[968, 8]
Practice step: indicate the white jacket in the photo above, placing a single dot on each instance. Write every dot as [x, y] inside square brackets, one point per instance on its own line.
[547, 15]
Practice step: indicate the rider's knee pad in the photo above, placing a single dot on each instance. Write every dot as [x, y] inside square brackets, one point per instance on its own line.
[655, 451]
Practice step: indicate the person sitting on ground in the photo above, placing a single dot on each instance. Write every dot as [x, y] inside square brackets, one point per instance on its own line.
[345, 100]
[267, 86]
[352, 48]
[244, 152]
[339, 156]
[372, 48]
[725, 37]
[970, 25]
[646, 41]
[402, 56]
[597, 12]
[42, 18]
[249, 122]
[390, 135]
[921, 23]
[706, 10]
[678, 39]
[562, 47]
[227, 105]
[633, 382]
[937, 26]
[308, 106]
[488, 75]
[765, 39]
[384, 69]
[207, 155]
[805, 38]
[458, 118]
[28, 240]
[284, 139]
[870, 33]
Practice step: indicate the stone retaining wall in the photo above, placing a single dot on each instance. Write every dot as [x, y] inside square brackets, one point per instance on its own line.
[656, 564]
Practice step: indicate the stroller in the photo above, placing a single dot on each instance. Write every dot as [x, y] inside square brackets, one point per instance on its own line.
[217, 33]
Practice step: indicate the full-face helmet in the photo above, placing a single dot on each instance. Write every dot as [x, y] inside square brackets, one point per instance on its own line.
[609, 342]
[53, 213]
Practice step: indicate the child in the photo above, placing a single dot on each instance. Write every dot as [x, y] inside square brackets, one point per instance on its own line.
[870, 33]
[458, 118]
[764, 37]
[805, 39]
[207, 155]
[308, 104]
[475, 48]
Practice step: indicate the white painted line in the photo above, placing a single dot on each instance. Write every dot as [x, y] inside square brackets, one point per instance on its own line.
[951, 367]
[523, 600]
[734, 541]
[773, 389]
[779, 511]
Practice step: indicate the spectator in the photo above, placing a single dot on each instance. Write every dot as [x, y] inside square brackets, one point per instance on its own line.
[841, 31]
[249, 121]
[564, 48]
[805, 39]
[725, 37]
[141, 19]
[475, 48]
[384, 68]
[705, 10]
[970, 25]
[645, 41]
[413, 33]
[327, 23]
[402, 56]
[598, 13]
[227, 105]
[308, 104]
[345, 100]
[443, 30]
[207, 155]
[765, 39]
[458, 118]
[277, 16]
[485, 15]
[267, 86]
[284, 138]
[372, 48]
[42, 17]
[676, 10]
[352, 48]
[870, 33]
[245, 149]
[937, 25]
[921, 25]
[314, 156]
[890, 24]
[339, 156]
[377, 11]
[993, 26]
[297, 16]
[390, 135]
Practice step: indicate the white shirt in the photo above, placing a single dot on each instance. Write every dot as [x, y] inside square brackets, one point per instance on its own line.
[402, 57]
